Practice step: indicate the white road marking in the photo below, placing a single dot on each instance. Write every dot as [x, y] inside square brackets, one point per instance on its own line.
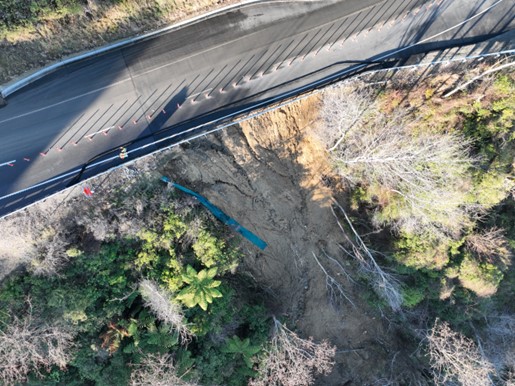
[64, 101]
[246, 109]
[8, 163]
[100, 131]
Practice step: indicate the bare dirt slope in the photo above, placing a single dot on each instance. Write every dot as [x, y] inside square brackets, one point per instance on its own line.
[268, 174]
[271, 175]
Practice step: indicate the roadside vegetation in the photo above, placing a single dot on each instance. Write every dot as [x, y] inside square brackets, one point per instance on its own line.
[141, 287]
[37, 32]
[431, 186]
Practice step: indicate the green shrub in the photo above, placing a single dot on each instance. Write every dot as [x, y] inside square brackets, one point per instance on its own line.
[23, 12]
[208, 249]
[421, 251]
[491, 188]
[481, 278]
[213, 251]
[504, 85]
[490, 124]
[174, 227]
[241, 349]
[411, 296]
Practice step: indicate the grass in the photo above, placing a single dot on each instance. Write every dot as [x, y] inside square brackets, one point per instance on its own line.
[35, 33]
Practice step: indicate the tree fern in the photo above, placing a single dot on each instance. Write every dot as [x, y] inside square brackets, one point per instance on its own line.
[201, 288]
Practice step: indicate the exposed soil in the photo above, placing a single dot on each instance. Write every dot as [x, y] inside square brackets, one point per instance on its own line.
[269, 174]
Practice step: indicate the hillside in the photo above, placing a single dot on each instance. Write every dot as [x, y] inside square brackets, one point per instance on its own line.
[305, 179]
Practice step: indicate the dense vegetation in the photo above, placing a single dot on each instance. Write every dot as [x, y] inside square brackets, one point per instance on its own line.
[139, 286]
[109, 300]
[432, 186]
[23, 12]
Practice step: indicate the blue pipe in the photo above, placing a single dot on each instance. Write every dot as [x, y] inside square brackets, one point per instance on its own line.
[230, 222]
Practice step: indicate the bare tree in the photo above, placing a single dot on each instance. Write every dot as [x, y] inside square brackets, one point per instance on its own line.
[35, 239]
[335, 292]
[499, 344]
[456, 358]
[48, 230]
[29, 345]
[293, 361]
[491, 245]
[384, 284]
[50, 255]
[487, 72]
[160, 301]
[423, 174]
[340, 113]
[157, 370]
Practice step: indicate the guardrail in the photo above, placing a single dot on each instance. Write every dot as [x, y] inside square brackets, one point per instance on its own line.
[217, 124]
[448, 61]
[299, 91]
[236, 120]
[246, 113]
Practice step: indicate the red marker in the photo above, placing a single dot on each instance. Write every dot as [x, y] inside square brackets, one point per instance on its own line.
[87, 192]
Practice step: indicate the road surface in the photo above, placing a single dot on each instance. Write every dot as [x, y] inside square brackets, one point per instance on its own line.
[73, 122]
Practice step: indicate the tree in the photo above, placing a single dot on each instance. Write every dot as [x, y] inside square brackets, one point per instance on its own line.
[418, 178]
[29, 345]
[293, 361]
[243, 349]
[491, 246]
[201, 288]
[456, 358]
[156, 370]
[160, 302]
[384, 284]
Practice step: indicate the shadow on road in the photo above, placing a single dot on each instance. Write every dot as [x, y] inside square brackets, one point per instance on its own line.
[142, 110]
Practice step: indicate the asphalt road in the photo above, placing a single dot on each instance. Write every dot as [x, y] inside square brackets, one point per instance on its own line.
[167, 85]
